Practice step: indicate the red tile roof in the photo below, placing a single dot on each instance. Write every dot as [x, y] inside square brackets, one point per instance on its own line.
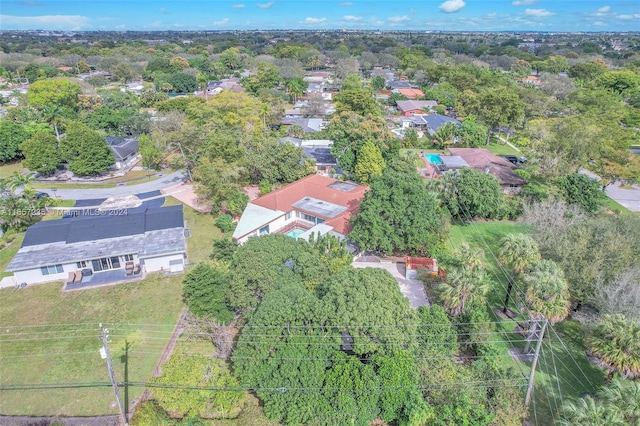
[412, 93]
[316, 186]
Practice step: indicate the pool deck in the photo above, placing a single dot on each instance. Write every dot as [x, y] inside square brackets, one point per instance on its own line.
[428, 171]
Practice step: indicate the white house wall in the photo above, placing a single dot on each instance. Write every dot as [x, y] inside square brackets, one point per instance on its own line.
[34, 276]
[161, 263]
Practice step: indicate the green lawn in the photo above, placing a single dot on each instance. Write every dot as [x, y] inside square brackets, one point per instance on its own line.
[500, 148]
[51, 337]
[7, 170]
[9, 245]
[563, 372]
[573, 378]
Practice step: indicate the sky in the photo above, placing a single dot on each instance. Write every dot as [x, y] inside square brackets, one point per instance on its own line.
[392, 15]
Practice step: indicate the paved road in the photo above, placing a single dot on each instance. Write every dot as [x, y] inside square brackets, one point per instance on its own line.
[119, 191]
[629, 196]
[412, 289]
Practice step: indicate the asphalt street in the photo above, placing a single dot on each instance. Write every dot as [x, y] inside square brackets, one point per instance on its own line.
[118, 191]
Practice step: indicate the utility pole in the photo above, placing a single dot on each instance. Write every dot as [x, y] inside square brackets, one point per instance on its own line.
[104, 352]
[527, 398]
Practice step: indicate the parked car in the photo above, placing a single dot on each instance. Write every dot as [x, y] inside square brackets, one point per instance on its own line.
[42, 195]
[512, 158]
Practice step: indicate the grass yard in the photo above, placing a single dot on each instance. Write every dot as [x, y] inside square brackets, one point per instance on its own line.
[7, 170]
[500, 148]
[560, 371]
[9, 245]
[50, 337]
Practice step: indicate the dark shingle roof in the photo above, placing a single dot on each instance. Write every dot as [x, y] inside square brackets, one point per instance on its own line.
[122, 147]
[106, 224]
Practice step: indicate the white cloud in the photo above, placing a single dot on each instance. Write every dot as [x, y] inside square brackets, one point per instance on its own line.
[451, 6]
[538, 13]
[223, 22]
[492, 15]
[265, 5]
[397, 19]
[314, 20]
[352, 18]
[604, 9]
[346, 3]
[238, 6]
[523, 2]
[50, 22]
[627, 17]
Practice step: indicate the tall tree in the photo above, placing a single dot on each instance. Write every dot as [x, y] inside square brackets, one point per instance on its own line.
[398, 214]
[41, 153]
[518, 252]
[59, 92]
[85, 150]
[11, 136]
[369, 163]
[547, 291]
[463, 286]
[469, 193]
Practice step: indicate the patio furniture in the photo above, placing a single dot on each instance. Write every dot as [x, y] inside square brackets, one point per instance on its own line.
[128, 267]
[78, 277]
[136, 270]
[71, 278]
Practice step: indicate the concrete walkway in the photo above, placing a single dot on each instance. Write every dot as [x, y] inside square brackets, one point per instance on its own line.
[412, 289]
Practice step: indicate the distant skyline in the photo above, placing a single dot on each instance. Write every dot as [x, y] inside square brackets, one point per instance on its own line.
[418, 15]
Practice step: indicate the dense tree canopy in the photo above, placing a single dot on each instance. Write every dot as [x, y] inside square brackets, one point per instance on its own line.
[398, 214]
[85, 150]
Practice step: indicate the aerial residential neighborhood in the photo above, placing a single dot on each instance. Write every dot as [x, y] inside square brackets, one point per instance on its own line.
[348, 220]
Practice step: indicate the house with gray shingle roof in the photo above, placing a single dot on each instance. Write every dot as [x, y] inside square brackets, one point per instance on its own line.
[114, 241]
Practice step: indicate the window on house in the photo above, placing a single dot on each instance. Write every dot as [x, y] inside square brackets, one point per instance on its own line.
[128, 257]
[287, 216]
[106, 263]
[51, 269]
[81, 264]
[264, 230]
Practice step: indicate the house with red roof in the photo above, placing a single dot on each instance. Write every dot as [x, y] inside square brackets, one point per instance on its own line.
[314, 204]
[411, 93]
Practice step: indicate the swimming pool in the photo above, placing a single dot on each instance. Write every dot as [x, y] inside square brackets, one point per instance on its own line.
[433, 158]
[398, 132]
[295, 232]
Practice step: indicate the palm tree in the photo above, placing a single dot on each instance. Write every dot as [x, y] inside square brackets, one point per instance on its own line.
[444, 135]
[518, 252]
[616, 341]
[469, 256]
[624, 397]
[547, 295]
[616, 404]
[463, 286]
[590, 412]
[16, 180]
[547, 292]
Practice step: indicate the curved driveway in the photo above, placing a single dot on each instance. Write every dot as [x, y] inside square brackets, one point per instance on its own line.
[118, 191]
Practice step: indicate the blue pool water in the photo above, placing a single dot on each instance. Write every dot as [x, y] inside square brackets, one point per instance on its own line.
[433, 158]
[295, 232]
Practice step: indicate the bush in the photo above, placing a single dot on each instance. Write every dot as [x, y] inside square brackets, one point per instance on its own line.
[225, 223]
